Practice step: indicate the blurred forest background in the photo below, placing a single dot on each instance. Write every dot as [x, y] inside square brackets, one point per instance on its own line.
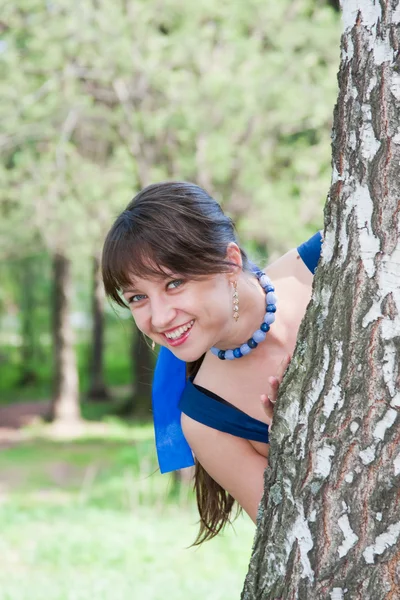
[98, 99]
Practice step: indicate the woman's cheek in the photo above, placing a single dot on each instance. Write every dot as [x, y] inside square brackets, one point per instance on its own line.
[139, 320]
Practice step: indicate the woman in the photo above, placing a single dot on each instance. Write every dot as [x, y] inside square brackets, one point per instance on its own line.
[173, 257]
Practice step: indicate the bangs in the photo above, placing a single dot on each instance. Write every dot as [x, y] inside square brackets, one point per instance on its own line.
[153, 239]
[126, 256]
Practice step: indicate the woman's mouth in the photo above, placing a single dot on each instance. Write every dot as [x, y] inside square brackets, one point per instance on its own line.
[179, 335]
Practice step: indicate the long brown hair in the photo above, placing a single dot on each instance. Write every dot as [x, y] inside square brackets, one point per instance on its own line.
[213, 502]
[174, 227]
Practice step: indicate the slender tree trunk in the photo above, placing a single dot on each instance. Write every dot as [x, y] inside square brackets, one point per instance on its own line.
[329, 522]
[27, 305]
[65, 401]
[143, 365]
[97, 386]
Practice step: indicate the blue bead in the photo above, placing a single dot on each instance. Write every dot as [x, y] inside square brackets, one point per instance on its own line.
[269, 318]
[237, 353]
[269, 288]
[271, 298]
[221, 354]
[259, 336]
[229, 355]
[215, 351]
[271, 308]
[264, 327]
[264, 280]
[252, 343]
[245, 349]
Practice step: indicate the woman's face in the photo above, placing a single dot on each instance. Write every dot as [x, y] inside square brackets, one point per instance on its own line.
[186, 316]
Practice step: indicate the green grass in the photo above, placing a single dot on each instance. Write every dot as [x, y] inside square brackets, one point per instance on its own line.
[93, 519]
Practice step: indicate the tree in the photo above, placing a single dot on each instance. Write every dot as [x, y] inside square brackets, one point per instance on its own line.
[97, 387]
[103, 98]
[65, 399]
[58, 163]
[143, 364]
[26, 270]
[329, 522]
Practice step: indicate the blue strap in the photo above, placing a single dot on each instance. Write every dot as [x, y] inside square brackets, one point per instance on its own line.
[310, 251]
[223, 417]
[169, 381]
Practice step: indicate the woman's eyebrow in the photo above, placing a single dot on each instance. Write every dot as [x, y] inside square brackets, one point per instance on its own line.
[133, 285]
[128, 290]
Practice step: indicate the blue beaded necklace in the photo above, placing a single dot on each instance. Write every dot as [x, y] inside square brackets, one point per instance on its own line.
[261, 333]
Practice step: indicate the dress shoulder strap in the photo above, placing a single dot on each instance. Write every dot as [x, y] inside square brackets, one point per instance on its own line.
[227, 418]
[310, 251]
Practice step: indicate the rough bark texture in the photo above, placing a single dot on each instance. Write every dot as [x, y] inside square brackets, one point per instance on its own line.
[329, 522]
[65, 401]
[97, 387]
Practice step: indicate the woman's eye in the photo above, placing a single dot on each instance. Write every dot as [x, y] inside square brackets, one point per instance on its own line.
[136, 298]
[174, 284]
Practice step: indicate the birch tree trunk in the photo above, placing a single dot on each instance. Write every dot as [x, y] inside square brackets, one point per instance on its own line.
[329, 522]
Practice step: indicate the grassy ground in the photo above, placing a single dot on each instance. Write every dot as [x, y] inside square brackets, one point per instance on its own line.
[93, 519]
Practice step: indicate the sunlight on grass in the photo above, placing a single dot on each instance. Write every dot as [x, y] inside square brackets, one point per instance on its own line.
[69, 553]
[94, 519]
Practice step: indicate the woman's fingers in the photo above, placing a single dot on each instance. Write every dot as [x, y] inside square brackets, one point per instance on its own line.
[268, 407]
[283, 366]
[268, 400]
[273, 388]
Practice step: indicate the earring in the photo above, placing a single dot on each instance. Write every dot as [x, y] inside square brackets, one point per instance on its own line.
[153, 345]
[235, 301]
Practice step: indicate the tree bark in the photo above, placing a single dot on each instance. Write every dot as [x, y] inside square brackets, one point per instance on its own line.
[97, 387]
[65, 402]
[329, 522]
[143, 374]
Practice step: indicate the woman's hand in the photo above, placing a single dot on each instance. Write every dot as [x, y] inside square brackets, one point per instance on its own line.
[268, 400]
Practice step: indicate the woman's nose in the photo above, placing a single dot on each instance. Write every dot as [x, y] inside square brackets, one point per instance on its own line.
[162, 315]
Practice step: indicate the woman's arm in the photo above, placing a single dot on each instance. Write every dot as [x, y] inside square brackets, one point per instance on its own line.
[231, 461]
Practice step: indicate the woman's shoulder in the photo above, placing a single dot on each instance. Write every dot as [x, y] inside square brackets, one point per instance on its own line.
[298, 262]
[290, 265]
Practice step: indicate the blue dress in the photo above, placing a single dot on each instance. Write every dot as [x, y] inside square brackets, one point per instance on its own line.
[173, 394]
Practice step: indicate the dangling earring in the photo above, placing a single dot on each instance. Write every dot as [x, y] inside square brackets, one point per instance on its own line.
[235, 301]
[153, 344]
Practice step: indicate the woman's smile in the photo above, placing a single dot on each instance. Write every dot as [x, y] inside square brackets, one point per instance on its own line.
[177, 336]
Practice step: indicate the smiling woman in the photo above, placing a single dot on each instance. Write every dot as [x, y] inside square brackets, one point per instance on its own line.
[169, 253]
[173, 257]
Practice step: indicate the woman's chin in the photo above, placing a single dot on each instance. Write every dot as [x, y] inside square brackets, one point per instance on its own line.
[186, 353]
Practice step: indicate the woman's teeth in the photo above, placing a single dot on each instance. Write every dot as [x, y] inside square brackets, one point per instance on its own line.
[173, 335]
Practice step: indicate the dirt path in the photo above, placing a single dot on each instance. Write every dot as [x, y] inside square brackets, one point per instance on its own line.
[14, 417]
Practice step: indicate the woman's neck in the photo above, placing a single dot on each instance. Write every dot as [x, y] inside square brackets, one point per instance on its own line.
[252, 308]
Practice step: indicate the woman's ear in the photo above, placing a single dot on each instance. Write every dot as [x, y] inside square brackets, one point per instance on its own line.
[233, 255]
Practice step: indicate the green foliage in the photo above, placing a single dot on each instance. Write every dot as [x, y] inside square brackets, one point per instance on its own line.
[104, 98]
[99, 99]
